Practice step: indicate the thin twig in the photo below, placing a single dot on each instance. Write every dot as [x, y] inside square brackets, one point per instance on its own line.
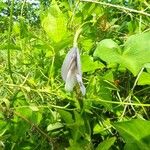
[137, 78]
[118, 7]
[69, 98]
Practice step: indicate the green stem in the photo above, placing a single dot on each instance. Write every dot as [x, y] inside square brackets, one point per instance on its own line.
[75, 43]
[9, 40]
[77, 34]
[23, 4]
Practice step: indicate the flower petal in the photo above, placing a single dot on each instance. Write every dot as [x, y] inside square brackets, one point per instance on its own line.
[80, 82]
[71, 55]
[78, 62]
[71, 76]
[71, 70]
[70, 81]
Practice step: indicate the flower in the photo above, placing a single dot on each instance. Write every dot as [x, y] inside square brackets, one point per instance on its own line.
[71, 70]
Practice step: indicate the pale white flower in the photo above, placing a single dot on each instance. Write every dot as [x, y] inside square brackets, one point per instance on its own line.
[71, 70]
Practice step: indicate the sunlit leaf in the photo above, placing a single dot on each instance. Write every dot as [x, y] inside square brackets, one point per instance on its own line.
[54, 126]
[136, 52]
[108, 51]
[144, 79]
[134, 55]
[106, 144]
[54, 23]
[66, 116]
[89, 65]
[136, 134]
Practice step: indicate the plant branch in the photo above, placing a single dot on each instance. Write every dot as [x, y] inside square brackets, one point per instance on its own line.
[9, 40]
[94, 98]
[118, 7]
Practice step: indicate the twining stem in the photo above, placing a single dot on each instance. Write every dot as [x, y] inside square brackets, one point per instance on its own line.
[137, 78]
[9, 40]
[128, 99]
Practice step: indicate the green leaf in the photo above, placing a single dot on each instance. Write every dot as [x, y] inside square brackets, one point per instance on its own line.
[92, 9]
[66, 116]
[23, 28]
[105, 145]
[101, 128]
[89, 65]
[30, 114]
[109, 76]
[134, 56]
[104, 93]
[136, 52]
[147, 66]
[24, 111]
[9, 46]
[2, 5]
[75, 145]
[78, 119]
[54, 126]
[100, 88]
[98, 129]
[3, 125]
[108, 51]
[54, 23]
[144, 79]
[34, 108]
[87, 44]
[136, 133]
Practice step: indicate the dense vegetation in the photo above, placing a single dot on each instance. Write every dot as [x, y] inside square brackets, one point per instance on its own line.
[36, 112]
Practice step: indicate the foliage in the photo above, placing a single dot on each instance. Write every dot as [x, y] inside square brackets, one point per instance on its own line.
[35, 110]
